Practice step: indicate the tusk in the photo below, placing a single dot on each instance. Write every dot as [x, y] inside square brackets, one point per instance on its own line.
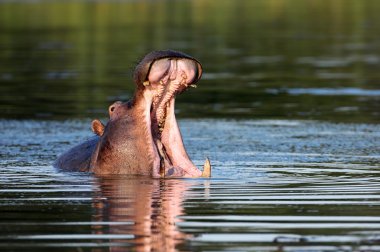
[193, 85]
[146, 83]
[206, 169]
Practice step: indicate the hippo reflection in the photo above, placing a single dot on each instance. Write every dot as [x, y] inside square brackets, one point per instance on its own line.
[142, 136]
[140, 214]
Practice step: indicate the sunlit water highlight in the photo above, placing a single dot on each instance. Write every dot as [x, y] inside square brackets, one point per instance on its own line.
[277, 185]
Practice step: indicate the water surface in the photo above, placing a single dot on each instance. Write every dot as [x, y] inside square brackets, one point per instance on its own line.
[277, 185]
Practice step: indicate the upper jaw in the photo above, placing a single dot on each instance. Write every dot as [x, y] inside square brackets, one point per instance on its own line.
[144, 68]
[163, 74]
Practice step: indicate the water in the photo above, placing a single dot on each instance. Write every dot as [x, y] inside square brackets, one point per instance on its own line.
[72, 59]
[287, 110]
[277, 185]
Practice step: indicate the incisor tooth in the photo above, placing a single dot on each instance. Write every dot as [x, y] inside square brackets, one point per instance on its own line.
[206, 169]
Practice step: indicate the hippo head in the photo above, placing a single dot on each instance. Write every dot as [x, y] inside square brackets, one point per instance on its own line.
[163, 75]
[142, 135]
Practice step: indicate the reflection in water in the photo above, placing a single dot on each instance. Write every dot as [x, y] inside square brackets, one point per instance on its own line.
[146, 209]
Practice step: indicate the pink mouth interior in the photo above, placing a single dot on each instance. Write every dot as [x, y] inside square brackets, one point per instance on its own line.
[168, 77]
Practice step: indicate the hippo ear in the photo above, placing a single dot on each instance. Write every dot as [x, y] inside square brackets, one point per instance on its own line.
[97, 127]
[141, 73]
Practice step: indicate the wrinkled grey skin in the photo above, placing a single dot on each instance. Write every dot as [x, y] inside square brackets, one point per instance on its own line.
[142, 136]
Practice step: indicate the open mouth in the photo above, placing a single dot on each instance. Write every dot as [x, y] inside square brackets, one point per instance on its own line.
[167, 78]
[172, 82]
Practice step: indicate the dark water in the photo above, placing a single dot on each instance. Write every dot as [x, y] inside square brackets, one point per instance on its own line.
[277, 186]
[287, 110]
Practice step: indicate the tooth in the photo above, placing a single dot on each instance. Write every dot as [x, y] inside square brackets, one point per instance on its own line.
[206, 169]
[146, 83]
[193, 85]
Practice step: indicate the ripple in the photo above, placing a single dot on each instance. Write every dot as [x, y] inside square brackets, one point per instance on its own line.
[67, 237]
[282, 238]
[326, 91]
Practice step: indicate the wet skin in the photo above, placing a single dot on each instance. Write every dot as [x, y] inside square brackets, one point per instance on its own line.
[142, 136]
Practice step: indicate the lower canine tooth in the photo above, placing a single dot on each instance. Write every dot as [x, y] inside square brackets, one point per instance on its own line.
[206, 169]
[193, 85]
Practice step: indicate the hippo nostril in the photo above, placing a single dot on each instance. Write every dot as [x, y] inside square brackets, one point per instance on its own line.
[112, 108]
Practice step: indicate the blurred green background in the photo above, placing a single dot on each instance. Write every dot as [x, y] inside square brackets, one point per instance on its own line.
[282, 59]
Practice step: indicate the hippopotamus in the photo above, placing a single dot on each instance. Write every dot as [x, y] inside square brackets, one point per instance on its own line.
[142, 136]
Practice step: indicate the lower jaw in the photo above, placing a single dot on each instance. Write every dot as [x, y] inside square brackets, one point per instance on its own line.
[168, 142]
